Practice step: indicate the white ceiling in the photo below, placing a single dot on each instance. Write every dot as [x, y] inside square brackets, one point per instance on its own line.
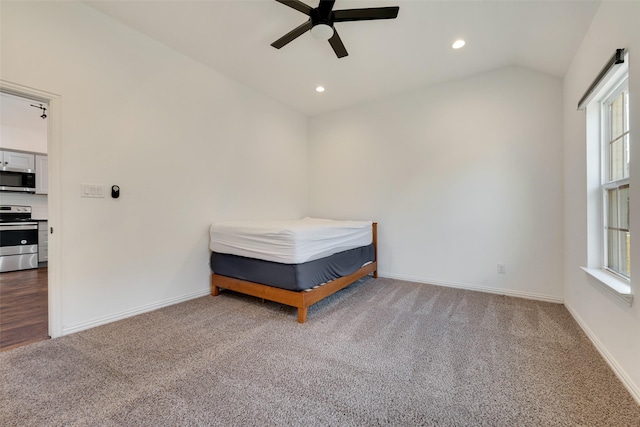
[385, 57]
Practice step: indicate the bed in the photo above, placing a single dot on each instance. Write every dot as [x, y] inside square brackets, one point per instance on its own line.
[297, 263]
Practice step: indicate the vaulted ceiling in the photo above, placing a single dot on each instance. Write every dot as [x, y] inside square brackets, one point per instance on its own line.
[385, 57]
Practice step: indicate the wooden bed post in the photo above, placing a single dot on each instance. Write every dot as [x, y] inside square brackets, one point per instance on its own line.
[215, 291]
[302, 314]
[375, 248]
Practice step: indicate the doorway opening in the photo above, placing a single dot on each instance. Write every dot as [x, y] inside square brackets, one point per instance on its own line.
[23, 221]
[38, 314]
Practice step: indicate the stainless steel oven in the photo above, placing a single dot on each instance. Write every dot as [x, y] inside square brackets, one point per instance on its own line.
[18, 239]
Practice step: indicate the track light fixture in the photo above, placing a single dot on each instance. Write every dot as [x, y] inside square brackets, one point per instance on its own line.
[44, 110]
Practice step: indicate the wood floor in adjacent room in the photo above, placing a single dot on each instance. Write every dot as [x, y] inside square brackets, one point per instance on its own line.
[23, 307]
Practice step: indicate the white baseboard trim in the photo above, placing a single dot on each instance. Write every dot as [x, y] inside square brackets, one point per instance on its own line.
[511, 293]
[133, 312]
[633, 388]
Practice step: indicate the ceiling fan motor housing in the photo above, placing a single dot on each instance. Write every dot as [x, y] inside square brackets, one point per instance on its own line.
[317, 17]
[322, 24]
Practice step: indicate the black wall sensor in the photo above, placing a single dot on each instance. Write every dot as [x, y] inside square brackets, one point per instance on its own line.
[115, 191]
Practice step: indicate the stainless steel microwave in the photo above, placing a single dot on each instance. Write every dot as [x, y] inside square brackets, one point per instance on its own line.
[18, 180]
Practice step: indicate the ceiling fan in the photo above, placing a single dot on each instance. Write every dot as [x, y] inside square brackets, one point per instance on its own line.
[322, 18]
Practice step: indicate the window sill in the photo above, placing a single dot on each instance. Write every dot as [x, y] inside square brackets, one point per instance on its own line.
[613, 284]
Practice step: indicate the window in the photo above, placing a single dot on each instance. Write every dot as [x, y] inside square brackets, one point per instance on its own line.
[615, 179]
[606, 103]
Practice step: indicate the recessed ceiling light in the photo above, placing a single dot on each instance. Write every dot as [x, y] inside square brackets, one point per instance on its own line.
[320, 89]
[458, 44]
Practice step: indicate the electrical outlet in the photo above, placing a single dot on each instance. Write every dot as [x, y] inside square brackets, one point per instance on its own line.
[502, 269]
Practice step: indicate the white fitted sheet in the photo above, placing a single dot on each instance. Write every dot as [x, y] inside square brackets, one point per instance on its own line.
[289, 241]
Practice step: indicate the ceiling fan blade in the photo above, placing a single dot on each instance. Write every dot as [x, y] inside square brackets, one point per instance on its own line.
[366, 14]
[336, 43]
[292, 35]
[297, 5]
[325, 7]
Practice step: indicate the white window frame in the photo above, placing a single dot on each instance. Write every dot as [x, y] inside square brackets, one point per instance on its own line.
[619, 86]
[618, 285]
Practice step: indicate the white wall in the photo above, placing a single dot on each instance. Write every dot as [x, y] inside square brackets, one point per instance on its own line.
[460, 176]
[21, 127]
[186, 145]
[612, 324]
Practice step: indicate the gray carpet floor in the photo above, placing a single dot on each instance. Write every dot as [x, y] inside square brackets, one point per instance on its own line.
[381, 352]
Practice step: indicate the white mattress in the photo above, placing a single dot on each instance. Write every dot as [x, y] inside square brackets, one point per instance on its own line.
[289, 241]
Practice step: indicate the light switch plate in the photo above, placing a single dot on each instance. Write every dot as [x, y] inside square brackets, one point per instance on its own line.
[92, 191]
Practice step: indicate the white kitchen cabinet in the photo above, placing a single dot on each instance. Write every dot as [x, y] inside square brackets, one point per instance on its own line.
[42, 174]
[43, 241]
[17, 160]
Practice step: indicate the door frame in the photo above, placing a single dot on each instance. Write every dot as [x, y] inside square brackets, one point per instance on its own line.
[54, 143]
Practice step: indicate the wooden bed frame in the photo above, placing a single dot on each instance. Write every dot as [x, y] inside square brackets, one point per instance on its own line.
[300, 299]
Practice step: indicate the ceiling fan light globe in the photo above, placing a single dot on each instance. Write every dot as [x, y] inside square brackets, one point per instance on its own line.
[322, 31]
